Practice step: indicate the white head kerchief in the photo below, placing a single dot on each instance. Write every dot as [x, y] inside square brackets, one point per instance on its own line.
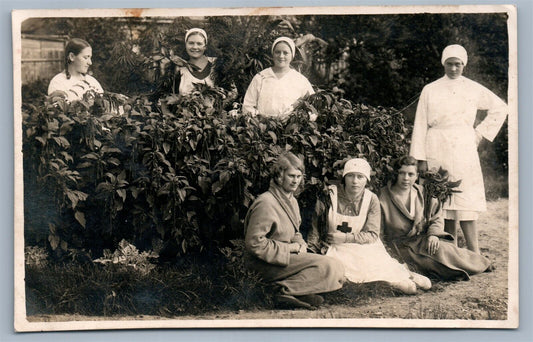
[454, 51]
[285, 40]
[357, 165]
[196, 30]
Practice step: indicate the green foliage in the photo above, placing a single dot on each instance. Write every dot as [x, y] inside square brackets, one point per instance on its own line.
[183, 169]
[437, 185]
[391, 57]
[127, 256]
[35, 256]
[185, 174]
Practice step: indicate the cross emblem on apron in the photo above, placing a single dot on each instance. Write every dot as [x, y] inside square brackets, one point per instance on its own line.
[344, 227]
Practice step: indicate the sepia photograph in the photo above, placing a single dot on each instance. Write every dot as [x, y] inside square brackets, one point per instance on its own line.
[266, 167]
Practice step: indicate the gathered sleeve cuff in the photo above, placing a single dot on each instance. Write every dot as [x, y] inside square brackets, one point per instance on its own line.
[260, 221]
[497, 111]
[420, 127]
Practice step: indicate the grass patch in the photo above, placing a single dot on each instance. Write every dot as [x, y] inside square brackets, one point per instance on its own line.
[191, 287]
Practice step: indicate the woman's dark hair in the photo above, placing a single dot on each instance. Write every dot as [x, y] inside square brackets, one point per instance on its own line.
[284, 162]
[402, 161]
[75, 45]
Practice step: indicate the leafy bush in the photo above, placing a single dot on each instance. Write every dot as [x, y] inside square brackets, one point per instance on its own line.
[186, 174]
[389, 58]
[35, 256]
[128, 256]
[183, 169]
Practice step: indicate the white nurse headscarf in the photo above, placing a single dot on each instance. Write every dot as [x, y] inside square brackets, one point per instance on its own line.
[357, 165]
[287, 40]
[196, 30]
[454, 51]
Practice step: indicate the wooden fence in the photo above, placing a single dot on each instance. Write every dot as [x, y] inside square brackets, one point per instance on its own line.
[42, 57]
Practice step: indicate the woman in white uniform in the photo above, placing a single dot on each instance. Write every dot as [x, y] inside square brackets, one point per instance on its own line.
[73, 82]
[275, 90]
[351, 233]
[444, 136]
[200, 67]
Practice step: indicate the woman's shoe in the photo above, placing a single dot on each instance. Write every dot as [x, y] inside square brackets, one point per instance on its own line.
[312, 299]
[406, 286]
[421, 281]
[292, 302]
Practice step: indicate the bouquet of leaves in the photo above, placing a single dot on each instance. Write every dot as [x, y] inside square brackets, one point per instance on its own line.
[437, 185]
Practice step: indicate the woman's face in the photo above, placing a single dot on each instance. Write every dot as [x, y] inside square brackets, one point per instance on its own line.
[81, 62]
[291, 179]
[195, 45]
[407, 176]
[453, 67]
[282, 55]
[354, 183]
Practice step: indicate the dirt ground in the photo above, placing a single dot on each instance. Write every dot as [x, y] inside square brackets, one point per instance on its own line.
[484, 297]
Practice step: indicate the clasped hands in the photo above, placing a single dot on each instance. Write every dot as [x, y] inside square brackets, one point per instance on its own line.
[337, 238]
[297, 248]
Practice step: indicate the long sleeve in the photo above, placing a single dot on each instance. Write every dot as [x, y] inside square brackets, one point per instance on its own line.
[260, 222]
[370, 231]
[418, 140]
[436, 221]
[497, 111]
[309, 88]
[251, 97]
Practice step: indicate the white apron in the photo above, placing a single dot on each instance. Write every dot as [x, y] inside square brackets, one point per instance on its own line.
[188, 80]
[363, 263]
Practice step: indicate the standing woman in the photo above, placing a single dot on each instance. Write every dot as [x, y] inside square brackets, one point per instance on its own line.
[74, 82]
[199, 68]
[274, 91]
[444, 136]
[276, 249]
[350, 233]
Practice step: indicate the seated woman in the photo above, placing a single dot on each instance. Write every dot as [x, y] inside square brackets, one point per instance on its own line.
[351, 234]
[275, 248]
[274, 90]
[73, 82]
[422, 243]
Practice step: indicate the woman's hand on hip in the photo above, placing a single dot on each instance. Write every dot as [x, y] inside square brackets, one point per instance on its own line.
[336, 238]
[433, 244]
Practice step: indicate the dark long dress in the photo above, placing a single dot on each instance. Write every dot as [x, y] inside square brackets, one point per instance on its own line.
[272, 223]
[408, 234]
